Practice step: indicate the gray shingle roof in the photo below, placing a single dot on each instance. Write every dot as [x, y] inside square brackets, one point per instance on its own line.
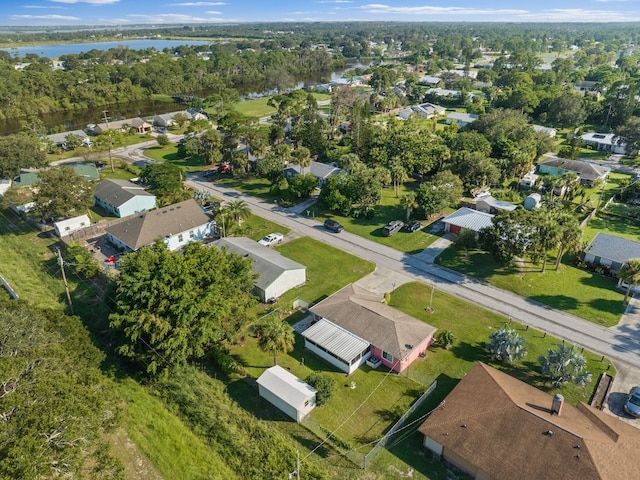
[140, 230]
[118, 192]
[266, 261]
[363, 314]
[584, 170]
[613, 248]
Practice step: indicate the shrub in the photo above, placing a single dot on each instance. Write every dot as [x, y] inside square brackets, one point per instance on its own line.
[324, 386]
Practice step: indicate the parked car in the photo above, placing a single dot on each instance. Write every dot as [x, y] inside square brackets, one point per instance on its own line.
[333, 226]
[209, 173]
[632, 405]
[413, 225]
[271, 239]
[392, 227]
[224, 168]
[208, 206]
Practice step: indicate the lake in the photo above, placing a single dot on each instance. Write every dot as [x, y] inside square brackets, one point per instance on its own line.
[56, 50]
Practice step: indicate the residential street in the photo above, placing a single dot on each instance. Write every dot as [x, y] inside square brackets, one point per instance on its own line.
[619, 344]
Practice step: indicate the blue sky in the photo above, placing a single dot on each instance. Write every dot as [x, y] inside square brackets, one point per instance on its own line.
[124, 12]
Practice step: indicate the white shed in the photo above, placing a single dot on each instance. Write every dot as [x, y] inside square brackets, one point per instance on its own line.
[70, 225]
[287, 392]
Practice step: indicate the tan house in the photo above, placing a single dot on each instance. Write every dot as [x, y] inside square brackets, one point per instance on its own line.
[137, 124]
[493, 426]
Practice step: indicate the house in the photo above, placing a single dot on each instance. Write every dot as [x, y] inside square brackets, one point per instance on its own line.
[494, 426]
[123, 198]
[353, 326]
[550, 132]
[60, 139]
[429, 80]
[443, 92]
[529, 181]
[587, 86]
[460, 118]
[320, 170]
[136, 124]
[70, 225]
[427, 110]
[488, 204]
[603, 142]
[176, 224]
[609, 250]
[587, 172]
[276, 274]
[467, 219]
[86, 170]
[287, 392]
[165, 120]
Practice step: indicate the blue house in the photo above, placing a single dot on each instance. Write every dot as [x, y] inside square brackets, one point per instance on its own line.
[123, 198]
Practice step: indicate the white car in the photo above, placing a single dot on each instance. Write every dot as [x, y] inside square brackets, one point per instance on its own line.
[271, 239]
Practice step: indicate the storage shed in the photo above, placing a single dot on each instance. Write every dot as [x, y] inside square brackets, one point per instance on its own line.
[532, 201]
[287, 392]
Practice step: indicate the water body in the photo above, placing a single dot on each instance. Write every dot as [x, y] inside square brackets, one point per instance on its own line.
[55, 51]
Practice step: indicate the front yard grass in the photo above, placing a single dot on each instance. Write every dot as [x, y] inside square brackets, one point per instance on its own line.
[169, 154]
[579, 292]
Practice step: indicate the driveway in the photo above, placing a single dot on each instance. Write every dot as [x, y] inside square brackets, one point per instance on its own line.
[430, 253]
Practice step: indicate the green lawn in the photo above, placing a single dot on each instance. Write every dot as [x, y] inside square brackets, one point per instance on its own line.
[170, 154]
[256, 227]
[573, 290]
[256, 107]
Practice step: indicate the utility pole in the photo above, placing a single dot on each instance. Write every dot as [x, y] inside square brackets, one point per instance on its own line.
[64, 279]
[106, 121]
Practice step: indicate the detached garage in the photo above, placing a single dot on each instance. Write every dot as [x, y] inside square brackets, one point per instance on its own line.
[287, 392]
[466, 219]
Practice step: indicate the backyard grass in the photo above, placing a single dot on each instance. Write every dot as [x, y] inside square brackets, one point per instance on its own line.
[169, 154]
[613, 226]
[579, 292]
[256, 107]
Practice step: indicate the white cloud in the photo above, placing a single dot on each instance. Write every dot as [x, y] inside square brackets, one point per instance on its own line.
[213, 12]
[427, 10]
[175, 18]
[89, 2]
[197, 4]
[42, 17]
[44, 7]
[581, 15]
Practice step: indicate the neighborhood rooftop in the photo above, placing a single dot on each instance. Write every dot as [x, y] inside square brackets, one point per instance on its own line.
[584, 170]
[467, 218]
[364, 315]
[614, 248]
[342, 343]
[286, 385]
[118, 192]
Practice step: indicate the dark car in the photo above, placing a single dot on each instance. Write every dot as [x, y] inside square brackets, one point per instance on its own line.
[209, 173]
[333, 226]
[392, 227]
[413, 226]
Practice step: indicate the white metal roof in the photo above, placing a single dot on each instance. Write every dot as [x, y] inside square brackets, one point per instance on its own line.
[470, 219]
[342, 343]
[286, 386]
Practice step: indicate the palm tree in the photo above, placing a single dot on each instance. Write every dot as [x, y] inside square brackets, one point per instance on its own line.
[565, 364]
[506, 345]
[445, 339]
[630, 274]
[302, 157]
[275, 336]
[409, 202]
[238, 210]
[398, 174]
[569, 235]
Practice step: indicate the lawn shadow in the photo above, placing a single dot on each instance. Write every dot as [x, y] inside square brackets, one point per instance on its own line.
[470, 352]
[560, 302]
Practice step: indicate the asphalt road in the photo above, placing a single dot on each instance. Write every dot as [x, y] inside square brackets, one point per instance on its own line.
[621, 345]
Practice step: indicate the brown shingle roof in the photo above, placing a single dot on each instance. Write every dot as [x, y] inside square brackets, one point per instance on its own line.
[144, 229]
[364, 314]
[500, 425]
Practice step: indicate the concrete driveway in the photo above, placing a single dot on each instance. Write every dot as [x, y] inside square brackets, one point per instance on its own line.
[430, 253]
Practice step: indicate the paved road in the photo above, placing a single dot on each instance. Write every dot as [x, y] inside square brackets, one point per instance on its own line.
[621, 345]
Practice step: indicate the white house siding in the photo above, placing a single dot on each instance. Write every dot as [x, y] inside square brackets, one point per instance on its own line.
[178, 240]
[284, 283]
[137, 204]
[432, 446]
[342, 366]
[281, 404]
[70, 225]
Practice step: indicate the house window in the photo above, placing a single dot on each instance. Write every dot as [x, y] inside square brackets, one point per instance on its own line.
[191, 234]
[306, 404]
[387, 356]
[180, 238]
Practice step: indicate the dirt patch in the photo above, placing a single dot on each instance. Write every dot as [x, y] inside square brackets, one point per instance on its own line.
[137, 465]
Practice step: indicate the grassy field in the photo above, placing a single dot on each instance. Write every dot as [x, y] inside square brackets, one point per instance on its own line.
[170, 154]
[257, 107]
[573, 290]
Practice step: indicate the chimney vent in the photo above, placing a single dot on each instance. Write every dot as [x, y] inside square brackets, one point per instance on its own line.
[556, 405]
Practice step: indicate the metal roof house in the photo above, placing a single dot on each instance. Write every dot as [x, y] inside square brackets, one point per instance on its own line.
[605, 142]
[277, 274]
[123, 198]
[493, 426]
[176, 224]
[467, 219]
[461, 118]
[353, 325]
[287, 392]
[611, 251]
[70, 225]
[489, 204]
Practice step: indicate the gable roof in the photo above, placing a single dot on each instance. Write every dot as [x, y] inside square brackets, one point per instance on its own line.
[501, 426]
[363, 314]
[286, 386]
[266, 261]
[317, 169]
[470, 219]
[613, 248]
[69, 225]
[118, 192]
[140, 230]
[495, 203]
[463, 117]
[582, 169]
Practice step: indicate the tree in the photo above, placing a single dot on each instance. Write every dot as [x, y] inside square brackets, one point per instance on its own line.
[398, 175]
[62, 193]
[302, 156]
[443, 190]
[506, 345]
[301, 186]
[565, 364]
[466, 240]
[18, 152]
[444, 339]
[324, 385]
[173, 307]
[409, 202]
[629, 273]
[275, 336]
[180, 119]
[567, 111]
[72, 141]
[569, 235]
[56, 406]
[629, 133]
[163, 178]
[81, 260]
[163, 140]
[107, 141]
[509, 236]
[238, 210]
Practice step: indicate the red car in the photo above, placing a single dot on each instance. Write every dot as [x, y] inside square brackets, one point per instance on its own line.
[224, 168]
